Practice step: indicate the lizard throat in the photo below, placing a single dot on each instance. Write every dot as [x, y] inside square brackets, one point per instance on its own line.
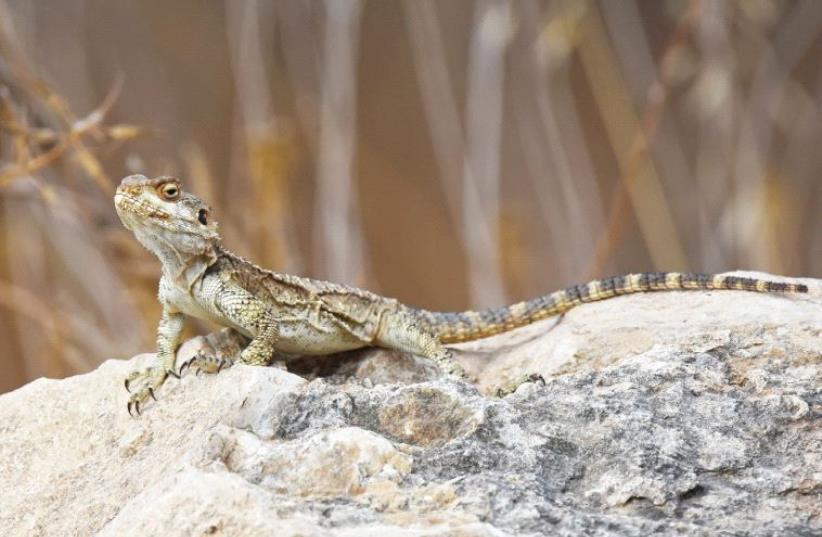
[184, 257]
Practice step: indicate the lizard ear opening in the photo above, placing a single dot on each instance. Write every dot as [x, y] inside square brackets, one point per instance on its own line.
[202, 216]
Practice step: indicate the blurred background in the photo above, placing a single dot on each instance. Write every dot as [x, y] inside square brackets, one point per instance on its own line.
[452, 153]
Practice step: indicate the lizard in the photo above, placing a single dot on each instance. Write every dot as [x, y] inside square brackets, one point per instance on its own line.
[292, 314]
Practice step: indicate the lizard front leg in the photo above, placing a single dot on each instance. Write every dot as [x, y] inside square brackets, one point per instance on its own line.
[240, 308]
[261, 348]
[150, 379]
[254, 316]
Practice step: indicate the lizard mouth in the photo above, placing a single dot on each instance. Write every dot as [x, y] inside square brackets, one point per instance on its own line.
[126, 204]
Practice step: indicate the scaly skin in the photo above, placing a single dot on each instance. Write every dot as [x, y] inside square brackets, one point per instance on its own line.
[281, 312]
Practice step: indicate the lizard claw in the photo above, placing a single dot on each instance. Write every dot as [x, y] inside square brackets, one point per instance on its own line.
[536, 377]
[145, 383]
[206, 363]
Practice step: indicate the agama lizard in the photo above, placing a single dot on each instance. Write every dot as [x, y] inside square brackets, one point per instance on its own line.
[291, 314]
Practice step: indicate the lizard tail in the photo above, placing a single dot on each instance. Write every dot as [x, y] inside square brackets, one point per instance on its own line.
[471, 325]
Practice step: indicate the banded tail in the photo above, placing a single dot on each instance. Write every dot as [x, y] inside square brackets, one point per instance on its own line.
[471, 325]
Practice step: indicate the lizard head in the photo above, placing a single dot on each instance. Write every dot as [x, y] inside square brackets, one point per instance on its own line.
[173, 224]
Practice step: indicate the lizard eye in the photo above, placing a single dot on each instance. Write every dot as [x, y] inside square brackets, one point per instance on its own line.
[170, 191]
[202, 216]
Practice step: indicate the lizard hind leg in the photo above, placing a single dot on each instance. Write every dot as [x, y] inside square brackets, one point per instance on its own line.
[400, 332]
[219, 351]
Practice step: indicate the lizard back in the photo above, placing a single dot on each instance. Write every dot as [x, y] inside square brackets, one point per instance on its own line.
[311, 301]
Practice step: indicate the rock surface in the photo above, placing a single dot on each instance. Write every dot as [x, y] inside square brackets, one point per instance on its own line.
[669, 414]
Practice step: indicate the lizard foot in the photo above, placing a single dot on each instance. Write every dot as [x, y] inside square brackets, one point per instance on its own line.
[206, 363]
[524, 379]
[449, 365]
[148, 381]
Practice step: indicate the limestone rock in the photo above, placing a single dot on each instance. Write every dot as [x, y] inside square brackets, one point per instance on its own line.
[664, 413]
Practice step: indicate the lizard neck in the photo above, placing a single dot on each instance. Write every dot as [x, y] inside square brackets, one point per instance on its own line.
[181, 265]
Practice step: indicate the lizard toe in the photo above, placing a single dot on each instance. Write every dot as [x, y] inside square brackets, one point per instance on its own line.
[448, 364]
[184, 366]
[455, 370]
[145, 383]
[536, 377]
[206, 363]
[136, 375]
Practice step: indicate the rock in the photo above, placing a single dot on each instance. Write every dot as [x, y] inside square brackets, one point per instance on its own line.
[664, 413]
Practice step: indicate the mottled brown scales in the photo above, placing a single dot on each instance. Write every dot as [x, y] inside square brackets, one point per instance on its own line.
[285, 313]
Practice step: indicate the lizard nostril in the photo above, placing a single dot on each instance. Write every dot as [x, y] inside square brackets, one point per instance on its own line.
[202, 216]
